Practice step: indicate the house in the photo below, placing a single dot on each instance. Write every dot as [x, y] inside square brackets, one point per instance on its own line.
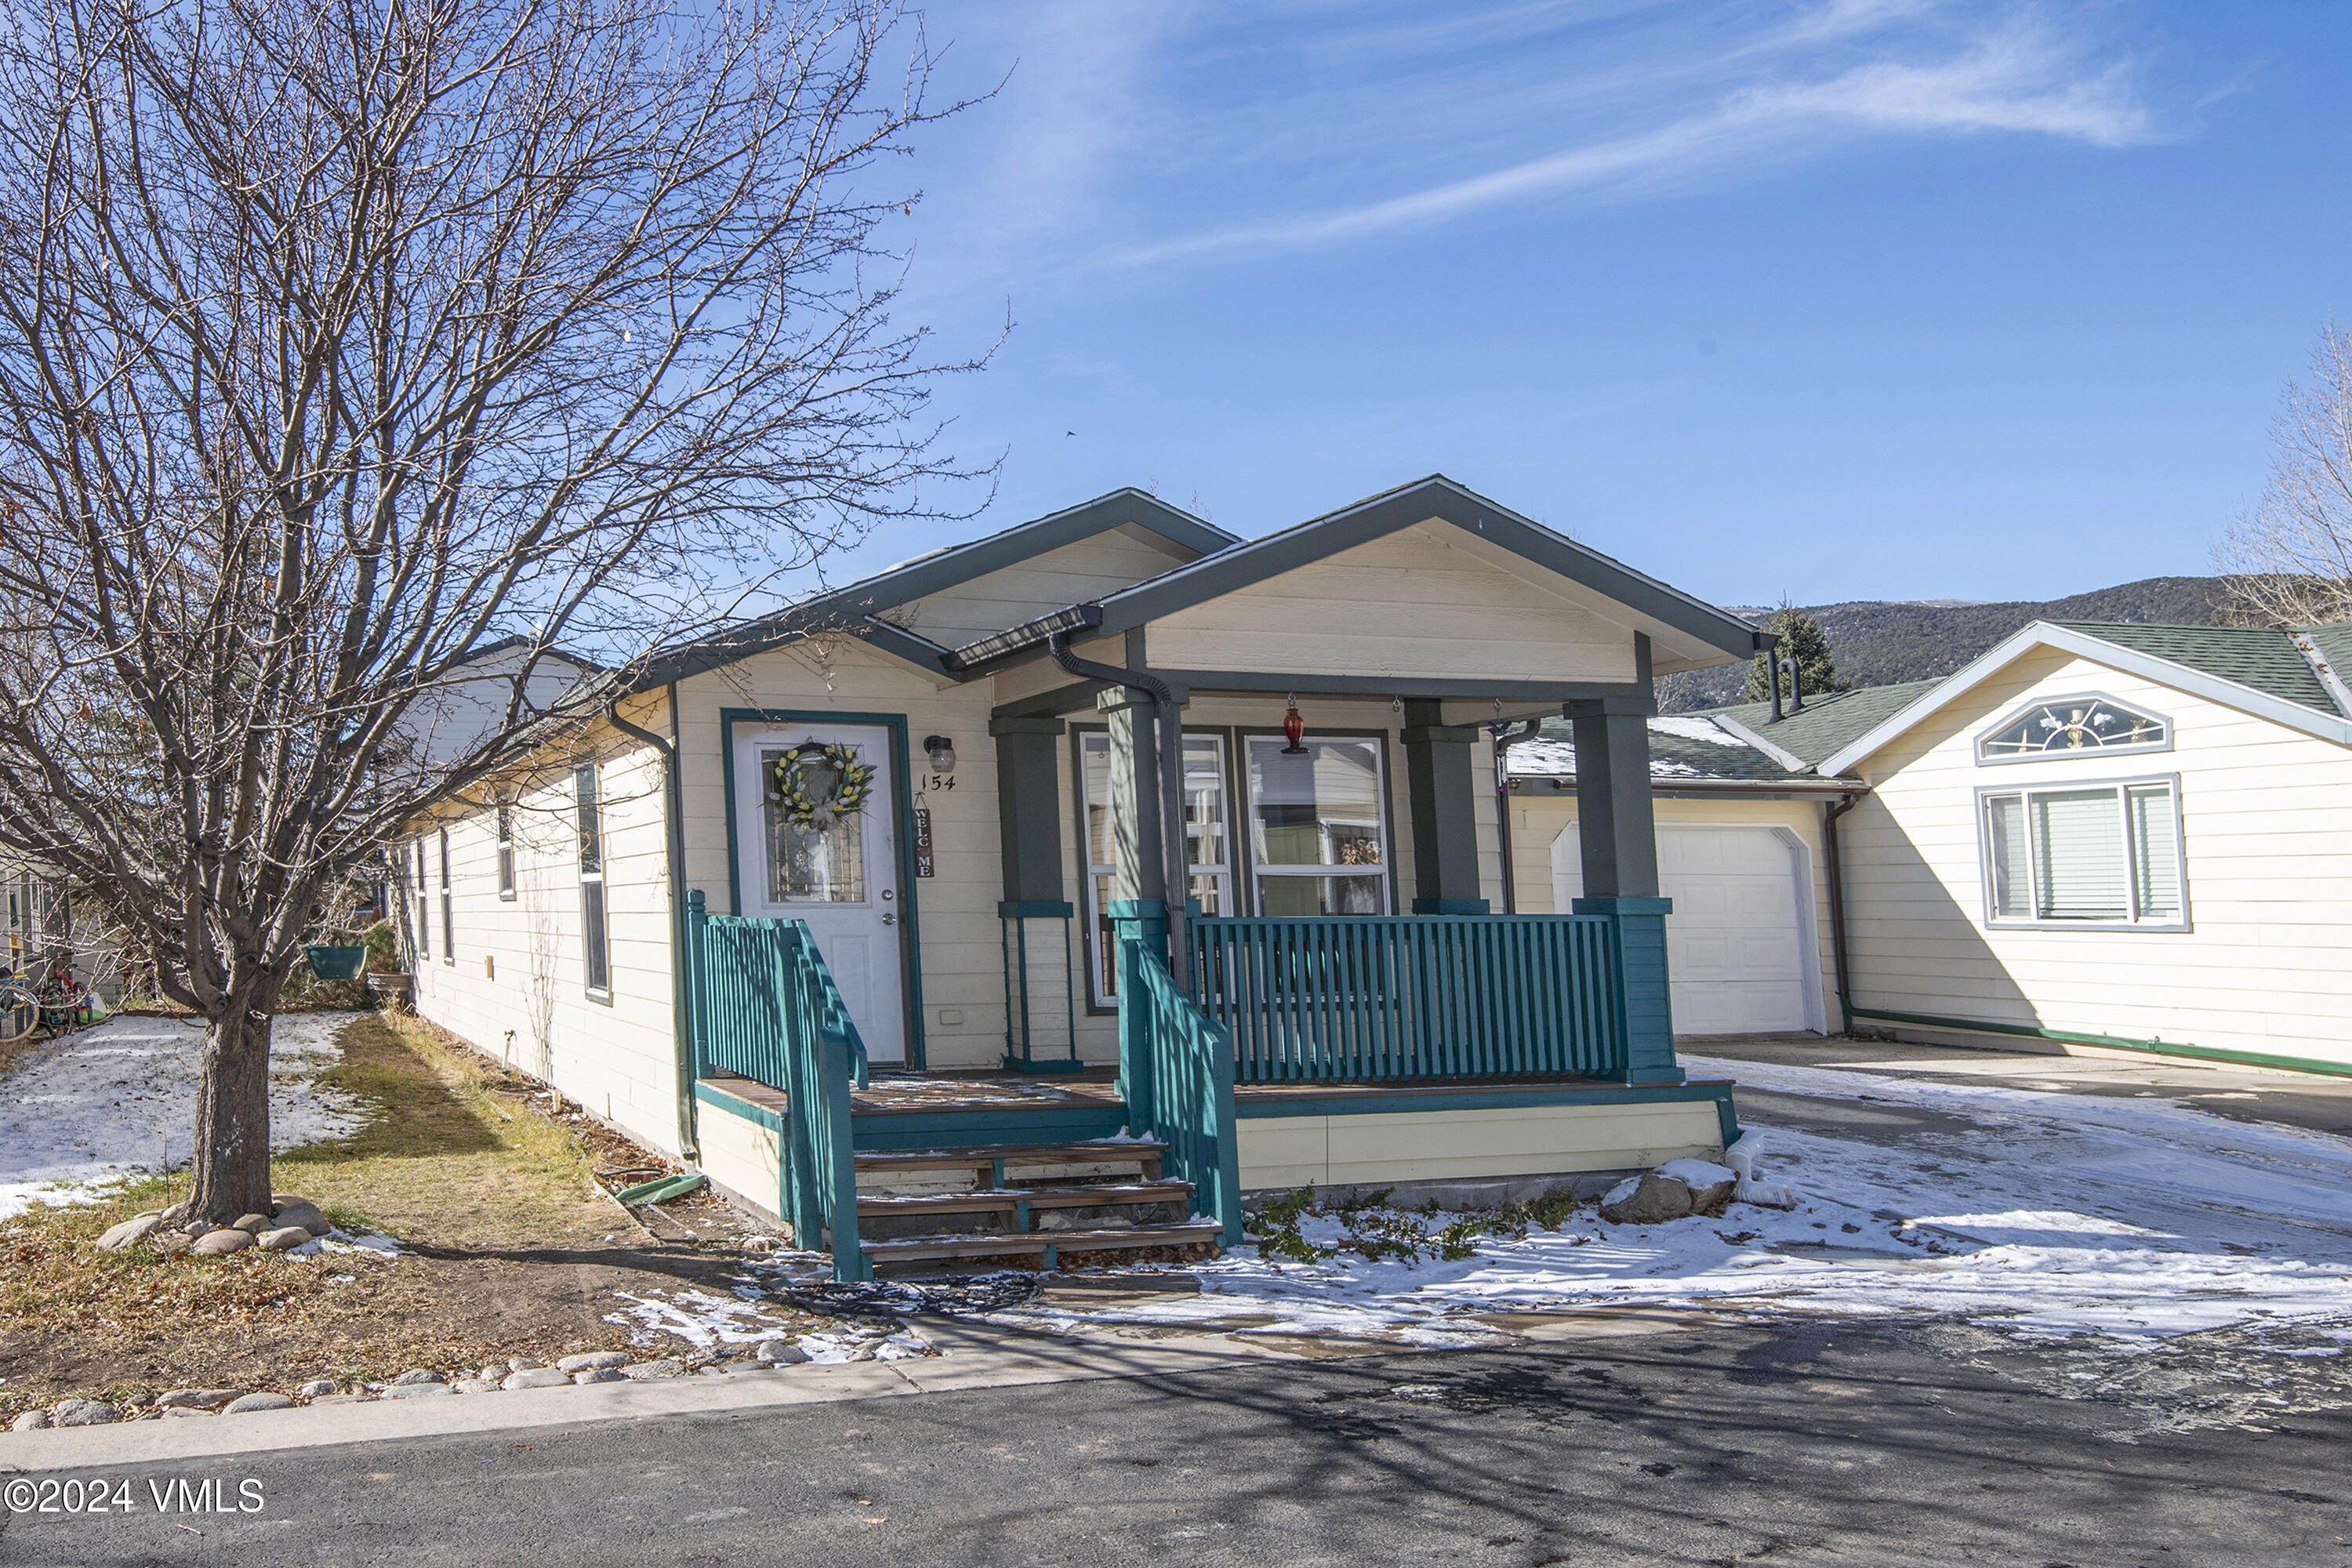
[2096, 837]
[2119, 836]
[911, 833]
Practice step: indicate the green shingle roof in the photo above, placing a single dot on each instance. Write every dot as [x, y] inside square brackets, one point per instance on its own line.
[1828, 722]
[2258, 657]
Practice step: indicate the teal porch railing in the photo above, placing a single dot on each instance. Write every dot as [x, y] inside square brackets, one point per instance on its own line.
[765, 1005]
[1416, 997]
[1176, 1078]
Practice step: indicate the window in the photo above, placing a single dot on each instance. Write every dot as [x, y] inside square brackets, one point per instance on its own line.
[2064, 726]
[1207, 847]
[2102, 856]
[1318, 832]
[823, 862]
[448, 912]
[506, 852]
[424, 921]
[595, 961]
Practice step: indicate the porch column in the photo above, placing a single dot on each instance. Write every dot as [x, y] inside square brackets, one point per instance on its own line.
[1029, 807]
[1617, 837]
[1139, 885]
[1443, 813]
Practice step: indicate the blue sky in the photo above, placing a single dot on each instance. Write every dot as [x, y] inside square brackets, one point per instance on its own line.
[1829, 299]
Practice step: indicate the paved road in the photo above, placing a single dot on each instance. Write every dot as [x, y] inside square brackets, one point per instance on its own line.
[1816, 1443]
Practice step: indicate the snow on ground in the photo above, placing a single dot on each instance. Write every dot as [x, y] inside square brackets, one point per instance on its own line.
[106, 1102]
[2049, 1216]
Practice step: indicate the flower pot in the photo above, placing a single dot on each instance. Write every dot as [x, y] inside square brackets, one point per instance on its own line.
[336, 963]
[390, 987]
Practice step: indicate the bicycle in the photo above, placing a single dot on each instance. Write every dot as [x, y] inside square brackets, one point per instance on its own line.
[55, 1005]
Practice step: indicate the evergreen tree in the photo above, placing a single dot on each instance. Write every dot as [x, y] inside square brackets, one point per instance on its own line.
[1801, 638]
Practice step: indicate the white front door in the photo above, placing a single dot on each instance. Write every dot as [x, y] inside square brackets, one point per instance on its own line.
[1740, 943]
[840, 875]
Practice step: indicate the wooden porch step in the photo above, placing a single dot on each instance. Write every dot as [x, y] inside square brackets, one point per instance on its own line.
[1192, 1232]
[1004, 1199]
[967, 1156]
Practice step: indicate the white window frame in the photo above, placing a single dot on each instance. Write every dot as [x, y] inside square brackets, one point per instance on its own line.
[596, 934]
[1101, 998]
[2070, 754]
[1379, 744]
[1987, 794]
[506, 853]
[449, 908]
[424, 910]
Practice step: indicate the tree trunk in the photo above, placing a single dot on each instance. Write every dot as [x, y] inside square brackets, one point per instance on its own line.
[232, 1163]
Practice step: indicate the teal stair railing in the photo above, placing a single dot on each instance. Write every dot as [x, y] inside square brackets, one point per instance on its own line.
[765, 1007]
[1176, 1078]
[1413, 997]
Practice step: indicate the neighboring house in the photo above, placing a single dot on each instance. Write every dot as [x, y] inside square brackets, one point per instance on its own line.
[995, 895]
[2096, 835]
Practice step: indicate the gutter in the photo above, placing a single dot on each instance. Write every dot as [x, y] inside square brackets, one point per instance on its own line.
[1832, 869]
[674, 844]
[1671, 786]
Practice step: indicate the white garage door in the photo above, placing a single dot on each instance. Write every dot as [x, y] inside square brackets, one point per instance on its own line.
[1736, 948]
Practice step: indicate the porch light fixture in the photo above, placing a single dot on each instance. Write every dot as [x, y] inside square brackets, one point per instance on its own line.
[942, 752]
[1293, 727]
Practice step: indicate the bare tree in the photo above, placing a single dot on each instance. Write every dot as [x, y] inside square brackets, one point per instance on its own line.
[338, 344]
[2288, 562]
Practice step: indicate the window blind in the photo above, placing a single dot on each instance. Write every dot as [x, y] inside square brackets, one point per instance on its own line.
[2107, 855]
[2078, 851]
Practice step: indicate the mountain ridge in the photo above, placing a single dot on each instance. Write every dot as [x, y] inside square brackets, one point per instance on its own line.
[1879, 642]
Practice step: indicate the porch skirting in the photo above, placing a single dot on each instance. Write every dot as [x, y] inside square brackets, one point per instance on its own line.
[1282, 1149]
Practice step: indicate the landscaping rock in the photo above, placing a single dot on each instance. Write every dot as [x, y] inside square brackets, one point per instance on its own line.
[80, 1413]
[523, 1363]
[265, 1400]
[492, 1373]
[590, 1360]
[1653, 1200]
[314, 1389]
[535, 1377]
[599, 1374]
[182, 1410]
[306, 1215]
[131, 1232]
[415, 1374]
[31, 1421]
[647, 1371]
[198, 1398]
[341, 1399]
[416, 1389]
[251, 1223]
[284, 1239]
[221, 1243]
[473, 1385]
[171, 1243]
[780, 1353]
[1711, 1186]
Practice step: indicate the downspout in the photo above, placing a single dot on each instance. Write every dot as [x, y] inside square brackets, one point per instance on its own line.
[674, 825]
[1503, 740]
[1832, 866]
[1171, 788]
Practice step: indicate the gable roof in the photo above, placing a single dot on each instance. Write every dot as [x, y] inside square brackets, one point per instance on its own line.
[1687, 747]
[2245, 668]
[1375, 517]
[1824, 724]
[856, 608]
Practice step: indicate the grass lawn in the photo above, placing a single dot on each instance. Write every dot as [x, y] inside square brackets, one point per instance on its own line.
[517, 1251]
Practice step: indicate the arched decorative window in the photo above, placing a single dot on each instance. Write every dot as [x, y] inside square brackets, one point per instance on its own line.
[2073, 726]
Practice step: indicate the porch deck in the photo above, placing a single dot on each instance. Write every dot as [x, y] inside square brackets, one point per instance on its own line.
[920, 1109]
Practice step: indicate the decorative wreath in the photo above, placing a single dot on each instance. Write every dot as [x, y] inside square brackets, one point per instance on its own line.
[801, 810]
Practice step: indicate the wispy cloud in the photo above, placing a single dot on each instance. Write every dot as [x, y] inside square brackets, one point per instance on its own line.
[2021, 78]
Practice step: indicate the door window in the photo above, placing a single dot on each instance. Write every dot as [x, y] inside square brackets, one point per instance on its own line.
[819, 862]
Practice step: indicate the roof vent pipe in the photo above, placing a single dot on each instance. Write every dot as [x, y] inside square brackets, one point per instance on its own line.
[1796, 687]
[1171, 720]
[1770, 645]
